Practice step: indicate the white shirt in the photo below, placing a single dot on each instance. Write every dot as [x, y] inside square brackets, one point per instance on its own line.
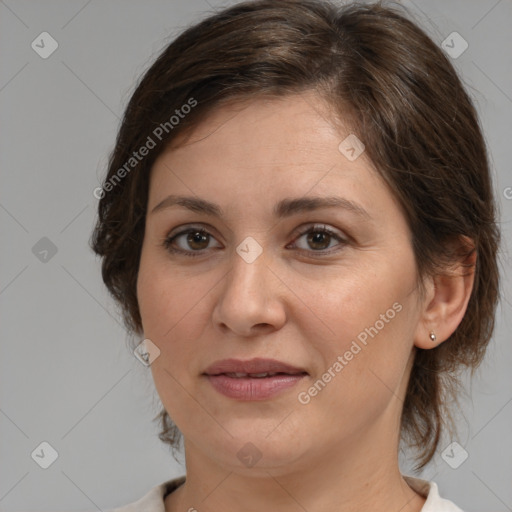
[153, 501]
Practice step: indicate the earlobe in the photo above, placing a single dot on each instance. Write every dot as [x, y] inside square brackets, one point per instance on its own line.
[446, 302]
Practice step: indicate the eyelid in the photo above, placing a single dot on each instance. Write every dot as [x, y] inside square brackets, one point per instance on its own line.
[319, 226]
[178, 230]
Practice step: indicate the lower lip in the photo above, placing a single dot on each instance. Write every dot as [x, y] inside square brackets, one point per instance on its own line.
[252, 388]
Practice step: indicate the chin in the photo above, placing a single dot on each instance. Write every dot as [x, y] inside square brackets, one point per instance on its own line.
[252, 450]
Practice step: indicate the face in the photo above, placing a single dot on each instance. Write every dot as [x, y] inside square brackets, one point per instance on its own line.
[328, 290]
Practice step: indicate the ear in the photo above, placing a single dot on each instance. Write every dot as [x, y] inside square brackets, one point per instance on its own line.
[446, 299]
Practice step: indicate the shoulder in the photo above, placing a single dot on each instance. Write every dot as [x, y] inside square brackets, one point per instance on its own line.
[434, 502]
[153, 501]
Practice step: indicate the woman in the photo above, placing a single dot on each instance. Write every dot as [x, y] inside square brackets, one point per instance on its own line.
[298, 221]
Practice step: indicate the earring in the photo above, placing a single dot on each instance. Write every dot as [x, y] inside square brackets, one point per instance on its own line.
[432, 336]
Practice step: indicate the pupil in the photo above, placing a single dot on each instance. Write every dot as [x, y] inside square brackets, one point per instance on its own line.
[317, 237]
[196, 237]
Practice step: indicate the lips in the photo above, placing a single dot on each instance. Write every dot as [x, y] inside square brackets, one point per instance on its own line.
[253, 368]
[256, 379]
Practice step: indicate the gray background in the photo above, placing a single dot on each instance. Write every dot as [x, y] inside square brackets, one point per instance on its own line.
[67, 377]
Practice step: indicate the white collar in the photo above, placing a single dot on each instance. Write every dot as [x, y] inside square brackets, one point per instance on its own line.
[153, 501]
[429, 490]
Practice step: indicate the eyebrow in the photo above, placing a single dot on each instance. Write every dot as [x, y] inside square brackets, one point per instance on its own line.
[284, 208]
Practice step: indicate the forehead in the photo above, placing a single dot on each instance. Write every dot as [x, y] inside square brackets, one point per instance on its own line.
[239, 116]
[264, 134]
[253, 160]
[249, 155]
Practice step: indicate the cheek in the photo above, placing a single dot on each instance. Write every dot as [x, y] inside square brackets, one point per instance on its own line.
[173, 309]
[360, 299]
[169, 308]
[369, 316]
[164, 296]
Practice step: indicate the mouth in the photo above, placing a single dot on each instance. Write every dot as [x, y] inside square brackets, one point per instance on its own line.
[257, 368]
[256, 379]
[263, 375]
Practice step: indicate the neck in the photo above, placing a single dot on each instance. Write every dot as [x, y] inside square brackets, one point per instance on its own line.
[344, 477]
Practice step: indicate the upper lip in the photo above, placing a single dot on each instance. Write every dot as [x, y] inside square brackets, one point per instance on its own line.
[256, 365]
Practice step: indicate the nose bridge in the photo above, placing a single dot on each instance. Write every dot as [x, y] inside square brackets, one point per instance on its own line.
[247, 296]
[248, 269]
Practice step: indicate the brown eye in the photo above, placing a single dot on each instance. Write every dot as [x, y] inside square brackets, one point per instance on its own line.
[197, 239]
[319, 239]
[188, 241]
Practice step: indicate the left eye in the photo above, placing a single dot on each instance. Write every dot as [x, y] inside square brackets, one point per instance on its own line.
[319, 239]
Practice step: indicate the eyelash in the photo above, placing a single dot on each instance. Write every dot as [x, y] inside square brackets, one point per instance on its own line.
[167, 243]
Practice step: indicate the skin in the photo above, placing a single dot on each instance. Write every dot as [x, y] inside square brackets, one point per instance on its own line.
[339, 451]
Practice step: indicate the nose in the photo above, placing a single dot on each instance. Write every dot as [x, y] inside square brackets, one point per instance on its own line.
[251, 299]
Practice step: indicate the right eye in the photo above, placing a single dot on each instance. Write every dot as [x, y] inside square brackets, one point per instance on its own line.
[197, 240]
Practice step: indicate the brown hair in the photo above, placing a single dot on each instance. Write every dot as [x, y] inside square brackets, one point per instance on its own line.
[394, 88]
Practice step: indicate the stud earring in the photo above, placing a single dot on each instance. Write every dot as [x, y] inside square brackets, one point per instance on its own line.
[432, 336]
